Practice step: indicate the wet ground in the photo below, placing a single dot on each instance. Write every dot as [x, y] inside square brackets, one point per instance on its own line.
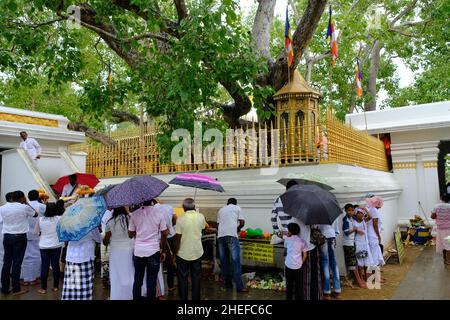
[422, 276]
[428, 279]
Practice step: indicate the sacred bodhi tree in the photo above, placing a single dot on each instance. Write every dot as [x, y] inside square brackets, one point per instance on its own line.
[178, 54]
[186, 60]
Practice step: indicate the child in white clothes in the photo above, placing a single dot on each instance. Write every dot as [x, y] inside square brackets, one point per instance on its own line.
[363, 255]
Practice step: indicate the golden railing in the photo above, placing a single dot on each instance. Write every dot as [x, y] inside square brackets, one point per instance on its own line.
[254, 146]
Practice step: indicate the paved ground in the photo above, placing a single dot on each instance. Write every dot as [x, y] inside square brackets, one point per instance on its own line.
[422, 276]
[428, 279]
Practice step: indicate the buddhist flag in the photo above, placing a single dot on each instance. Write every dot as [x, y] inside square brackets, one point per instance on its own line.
[359, 90]
[288, 40]
[331, 37]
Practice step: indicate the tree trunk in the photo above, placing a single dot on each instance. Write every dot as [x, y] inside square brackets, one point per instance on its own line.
[261, 27]
[375, 56]
[278, 74]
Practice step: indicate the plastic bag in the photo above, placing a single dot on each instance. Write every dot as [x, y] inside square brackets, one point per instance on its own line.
[276, 239]
[434, 231]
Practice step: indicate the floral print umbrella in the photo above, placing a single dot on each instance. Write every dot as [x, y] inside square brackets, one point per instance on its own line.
[80, 218]
[135, 191]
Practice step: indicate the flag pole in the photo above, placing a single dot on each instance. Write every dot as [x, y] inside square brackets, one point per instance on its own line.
[289, 68]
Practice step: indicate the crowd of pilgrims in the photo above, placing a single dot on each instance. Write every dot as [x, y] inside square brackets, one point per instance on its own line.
[139, 242]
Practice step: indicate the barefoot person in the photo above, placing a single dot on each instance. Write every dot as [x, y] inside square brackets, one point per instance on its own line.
[49, 245]
[297, 253]
[348, 243]
[374, 228]
[188, 250]
[31, 146]
[328, 261]
[15, 227]
[121, 269]
[231, 221]
[31, 266]
[311, 275]
[79, 268]
[362, 247]
[148, 226]
[441, 213]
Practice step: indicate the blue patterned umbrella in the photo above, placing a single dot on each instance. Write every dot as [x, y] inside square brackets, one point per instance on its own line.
[135, 191]
[80, 218]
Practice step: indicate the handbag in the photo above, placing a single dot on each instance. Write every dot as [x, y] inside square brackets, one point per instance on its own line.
[362, 254]
[317, 238]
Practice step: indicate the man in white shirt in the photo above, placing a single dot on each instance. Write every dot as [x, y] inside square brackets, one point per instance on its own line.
[230, 221]
[31, 146]
[8, 198]
[31, 266]
[169, 216]
[15, 227]
[69, 188]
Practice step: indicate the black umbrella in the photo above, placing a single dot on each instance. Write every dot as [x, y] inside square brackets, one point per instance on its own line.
[311, 204]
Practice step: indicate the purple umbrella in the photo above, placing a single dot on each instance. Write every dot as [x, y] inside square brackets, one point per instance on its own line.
[197, 180]
[135, 191]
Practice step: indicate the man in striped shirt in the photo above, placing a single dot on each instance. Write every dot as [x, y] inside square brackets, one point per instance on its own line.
[278, 213]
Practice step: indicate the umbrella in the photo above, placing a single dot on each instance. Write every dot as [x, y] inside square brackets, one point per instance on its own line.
[197, 180]
[311, 204]
[134, 191]
[306, 179]
[82, 179]
[80, 218]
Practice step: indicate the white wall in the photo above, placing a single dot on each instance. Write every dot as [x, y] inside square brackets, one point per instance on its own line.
[15, 175]
[52, 166]
[79, 158]
[407, 201]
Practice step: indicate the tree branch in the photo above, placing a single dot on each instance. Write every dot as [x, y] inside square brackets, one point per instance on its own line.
[311, 60]
[403, 13]
[181, 9]
[89, 19]
[302, 36]
[403, 33]
[153, 35]
[241, 106]
[126, 4]
[123, 116]
[171, 27]
[294, 10]
[91, 133]
[37, 25]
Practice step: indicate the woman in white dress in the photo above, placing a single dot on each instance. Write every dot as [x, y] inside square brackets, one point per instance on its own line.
[121, 269]
[362, 250]
[374, 227]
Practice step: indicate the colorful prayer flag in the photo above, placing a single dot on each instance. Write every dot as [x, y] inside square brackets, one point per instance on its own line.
[331, 37]
[288, 44]
[359, 90]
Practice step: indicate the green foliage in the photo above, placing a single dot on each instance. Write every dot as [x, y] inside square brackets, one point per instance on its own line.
[177, 80]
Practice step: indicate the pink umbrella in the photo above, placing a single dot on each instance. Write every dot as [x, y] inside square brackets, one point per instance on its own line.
[197, 180]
